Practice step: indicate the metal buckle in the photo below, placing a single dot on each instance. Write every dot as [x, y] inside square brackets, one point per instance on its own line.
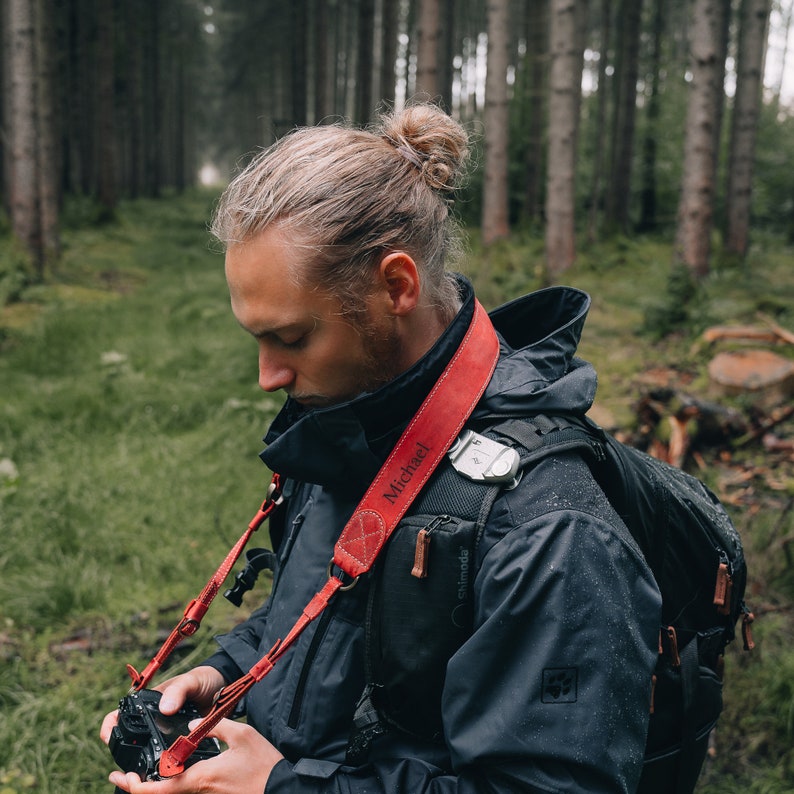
[345, 587]
[482, 459]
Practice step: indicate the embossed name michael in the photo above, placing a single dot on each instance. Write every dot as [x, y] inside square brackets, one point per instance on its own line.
[407, 472]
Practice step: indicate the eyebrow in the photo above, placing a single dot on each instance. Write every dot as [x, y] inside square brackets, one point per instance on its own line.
[294, 325]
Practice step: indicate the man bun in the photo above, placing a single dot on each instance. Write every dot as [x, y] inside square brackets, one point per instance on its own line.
[430, 141]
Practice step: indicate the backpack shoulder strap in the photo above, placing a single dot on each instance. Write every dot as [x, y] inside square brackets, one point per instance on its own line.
[538, 436]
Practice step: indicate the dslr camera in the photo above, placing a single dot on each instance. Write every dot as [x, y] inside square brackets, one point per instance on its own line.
[142, 734]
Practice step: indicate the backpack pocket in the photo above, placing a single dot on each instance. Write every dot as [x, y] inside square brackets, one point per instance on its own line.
[678, 734]
[420, 613]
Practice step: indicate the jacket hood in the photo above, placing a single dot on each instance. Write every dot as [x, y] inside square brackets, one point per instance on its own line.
[343, 446]
[538, 371]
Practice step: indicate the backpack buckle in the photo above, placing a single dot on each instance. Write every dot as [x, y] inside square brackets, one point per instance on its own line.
[482, 459]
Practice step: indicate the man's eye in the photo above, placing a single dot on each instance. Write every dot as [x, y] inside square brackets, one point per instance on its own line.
[293, 343]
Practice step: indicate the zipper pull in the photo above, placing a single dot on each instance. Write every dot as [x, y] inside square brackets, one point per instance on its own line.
[675, 659]
[422, 551]
[653, 693]
[722, 588]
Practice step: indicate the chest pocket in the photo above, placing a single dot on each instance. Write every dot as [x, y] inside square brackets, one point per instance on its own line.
[420, 613]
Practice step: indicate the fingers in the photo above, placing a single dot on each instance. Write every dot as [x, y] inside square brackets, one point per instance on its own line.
[229, 732]
[107, 725]
[199, 686]
[124, 781]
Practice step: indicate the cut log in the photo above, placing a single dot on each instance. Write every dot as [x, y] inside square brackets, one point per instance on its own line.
[740, 333]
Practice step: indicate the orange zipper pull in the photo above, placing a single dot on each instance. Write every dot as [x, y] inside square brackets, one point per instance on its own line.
[722, 588]
[675, 659]
[422, 553]
[653, 691]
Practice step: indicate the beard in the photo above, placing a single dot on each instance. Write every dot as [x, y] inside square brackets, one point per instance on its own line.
[380, 364]
[382, 355]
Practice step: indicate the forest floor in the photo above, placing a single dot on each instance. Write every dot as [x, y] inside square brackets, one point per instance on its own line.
[130, 423]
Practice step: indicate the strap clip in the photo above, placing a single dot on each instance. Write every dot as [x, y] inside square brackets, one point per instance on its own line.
[482, 459]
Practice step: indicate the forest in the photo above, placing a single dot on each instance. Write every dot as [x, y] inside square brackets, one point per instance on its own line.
[592, 118]
[637, 149]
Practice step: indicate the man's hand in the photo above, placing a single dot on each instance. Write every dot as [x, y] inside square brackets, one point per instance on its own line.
[199, 686]
[244, 767]
[241, 769]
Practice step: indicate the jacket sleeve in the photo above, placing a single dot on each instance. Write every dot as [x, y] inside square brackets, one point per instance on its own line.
[552, 690]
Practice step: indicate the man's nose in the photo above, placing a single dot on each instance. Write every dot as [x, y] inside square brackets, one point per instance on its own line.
[274, 374]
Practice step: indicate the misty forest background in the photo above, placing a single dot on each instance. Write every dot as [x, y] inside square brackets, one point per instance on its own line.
[639, 149]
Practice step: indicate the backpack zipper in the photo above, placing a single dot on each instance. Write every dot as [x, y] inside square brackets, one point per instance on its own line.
[422, 552]
[724, 584]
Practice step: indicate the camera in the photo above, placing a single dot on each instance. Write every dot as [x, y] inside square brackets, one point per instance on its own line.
[142, 734]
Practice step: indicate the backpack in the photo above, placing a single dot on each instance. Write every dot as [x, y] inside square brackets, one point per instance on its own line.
[688, 540]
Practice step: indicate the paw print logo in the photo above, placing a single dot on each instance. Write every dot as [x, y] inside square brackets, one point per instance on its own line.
[559, 685]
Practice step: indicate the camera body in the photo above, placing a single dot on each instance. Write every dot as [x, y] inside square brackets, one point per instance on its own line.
[142, 734]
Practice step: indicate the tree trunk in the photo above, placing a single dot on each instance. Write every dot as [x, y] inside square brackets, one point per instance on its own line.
[596, 193]
[133, 104]
[366, 60]
[153, 93]
[648, 194]
[722, 57]
[696, 203]
[106, 166]
[537, 57]
[23, 183]
[744, 124]
[389, 39]
[346, 60]
[47, 139]
[625, 111]
[565, 81]
[495, 222]
[428, 38]
[298, 72]
[447, 53]
[319, 62]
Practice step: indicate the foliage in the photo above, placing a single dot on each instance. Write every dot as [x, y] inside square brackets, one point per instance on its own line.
[129, 429]
[15, 272]
[773, 196]
[674, 309]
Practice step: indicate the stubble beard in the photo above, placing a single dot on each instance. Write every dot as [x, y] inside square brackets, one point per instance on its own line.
[380, 364]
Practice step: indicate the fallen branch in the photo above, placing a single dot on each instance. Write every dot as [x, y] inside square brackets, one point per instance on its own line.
[778, 330]
[776, 417]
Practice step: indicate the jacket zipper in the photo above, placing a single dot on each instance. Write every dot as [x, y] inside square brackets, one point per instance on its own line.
[311, 653]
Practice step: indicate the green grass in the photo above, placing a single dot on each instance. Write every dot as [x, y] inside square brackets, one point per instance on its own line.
[130, 422]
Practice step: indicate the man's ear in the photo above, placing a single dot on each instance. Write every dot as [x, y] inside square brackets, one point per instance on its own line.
[399, 277]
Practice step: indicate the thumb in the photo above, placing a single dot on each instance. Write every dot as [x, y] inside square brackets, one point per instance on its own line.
[227, 731]
[174, 696]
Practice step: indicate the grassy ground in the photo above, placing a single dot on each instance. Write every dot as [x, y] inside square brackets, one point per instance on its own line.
[130, 421]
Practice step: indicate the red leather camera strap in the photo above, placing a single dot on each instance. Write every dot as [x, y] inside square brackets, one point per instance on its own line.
[420, 449]
[197, 608]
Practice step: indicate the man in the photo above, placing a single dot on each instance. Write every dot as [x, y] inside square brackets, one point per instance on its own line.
[336, 246]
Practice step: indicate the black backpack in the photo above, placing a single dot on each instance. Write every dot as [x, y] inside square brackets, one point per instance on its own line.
[686, 536]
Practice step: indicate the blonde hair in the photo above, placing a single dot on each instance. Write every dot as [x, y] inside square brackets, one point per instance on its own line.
[349, 196]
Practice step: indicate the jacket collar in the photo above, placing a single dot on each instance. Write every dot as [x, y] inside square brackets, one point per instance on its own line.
[344, 446]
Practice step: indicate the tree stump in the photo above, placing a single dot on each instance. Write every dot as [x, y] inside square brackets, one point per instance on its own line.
[764, 376]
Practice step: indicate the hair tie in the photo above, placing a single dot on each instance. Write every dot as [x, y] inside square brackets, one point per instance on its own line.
[410, 155]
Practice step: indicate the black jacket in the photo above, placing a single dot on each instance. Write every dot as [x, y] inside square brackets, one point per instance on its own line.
[551, 691]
